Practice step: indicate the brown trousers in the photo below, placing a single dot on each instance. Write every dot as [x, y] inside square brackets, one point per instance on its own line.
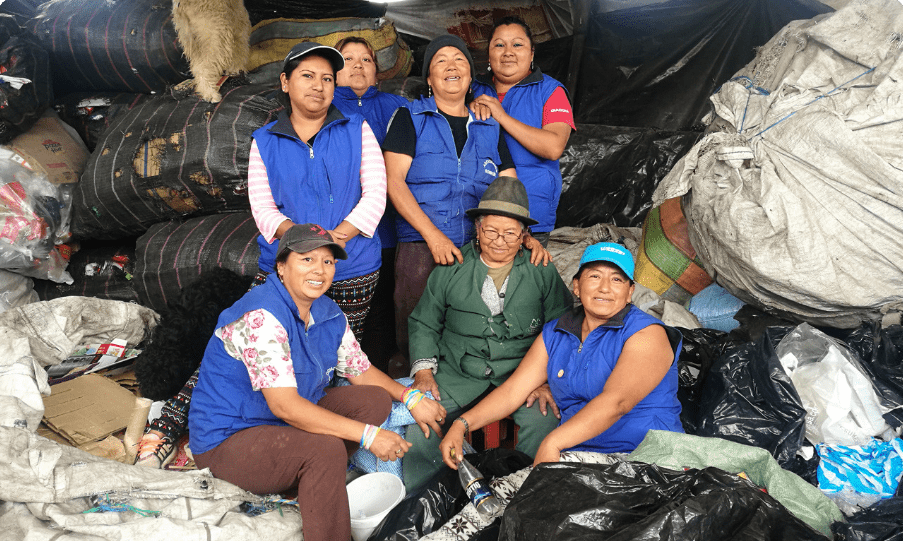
[270, 459]
[413, 265]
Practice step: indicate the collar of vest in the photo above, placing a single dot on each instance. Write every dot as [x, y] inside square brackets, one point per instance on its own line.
[534, 77]
[345, 92]
[572, 321]
[283, 125]
[428, 105]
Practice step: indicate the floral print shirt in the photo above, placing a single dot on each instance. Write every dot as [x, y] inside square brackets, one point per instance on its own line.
[259, 340]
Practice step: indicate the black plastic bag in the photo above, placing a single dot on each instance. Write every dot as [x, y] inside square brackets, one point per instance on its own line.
[882, 521]
[609, 173]
[633, 501]
[748, 398]
[91, 113]
[657, 64]
[98, 270]
[261, 10]
[22, 56]
[443, 497]
[700, 349]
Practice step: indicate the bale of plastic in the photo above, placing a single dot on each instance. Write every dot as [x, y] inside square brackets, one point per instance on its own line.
[173, 254]
[272, 39]
[117, 46]
[171, 156]
[795, 197]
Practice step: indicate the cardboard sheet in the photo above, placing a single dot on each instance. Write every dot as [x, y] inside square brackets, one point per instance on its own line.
[88, 408]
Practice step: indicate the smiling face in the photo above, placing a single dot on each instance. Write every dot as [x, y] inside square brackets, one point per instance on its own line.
[307, 276]
[603, 289]
[510, 53]
[310, 87]
[449, 75]
[497, 252]
[359, 72]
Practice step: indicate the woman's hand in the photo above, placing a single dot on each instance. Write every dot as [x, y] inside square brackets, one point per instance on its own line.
[424, 381]
[429, 414]
[389, 446]
[538, 254]
[486, 106]
[453, 441]
[443, 249]
[338, 237]
[543, 395]
[547, 452]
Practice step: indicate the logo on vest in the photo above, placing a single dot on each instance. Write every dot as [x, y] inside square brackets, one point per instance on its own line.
[535, 325]
[490, 168]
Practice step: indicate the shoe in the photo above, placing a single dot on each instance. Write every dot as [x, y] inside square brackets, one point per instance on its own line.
[155, 451]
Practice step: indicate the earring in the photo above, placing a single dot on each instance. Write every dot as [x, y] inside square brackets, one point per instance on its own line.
[532, 66]
[429, 91]
[476, 243]
[488, 68]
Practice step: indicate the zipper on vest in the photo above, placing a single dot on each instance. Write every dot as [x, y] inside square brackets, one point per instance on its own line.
[359, 104]
[580, 347]
[311, 150]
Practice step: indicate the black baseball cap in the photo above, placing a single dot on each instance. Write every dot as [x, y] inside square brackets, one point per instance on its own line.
[331, 54]
[303, 238]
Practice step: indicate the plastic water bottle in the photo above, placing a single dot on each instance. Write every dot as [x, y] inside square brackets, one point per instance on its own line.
[479, 492]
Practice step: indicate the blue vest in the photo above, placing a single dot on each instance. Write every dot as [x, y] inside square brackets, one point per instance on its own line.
[319, 184]
[578, 374]
[223, 401]
[542, 177]
[377, 108]
[444, 185]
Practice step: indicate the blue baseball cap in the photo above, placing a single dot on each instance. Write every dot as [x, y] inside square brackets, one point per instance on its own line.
[610, 252]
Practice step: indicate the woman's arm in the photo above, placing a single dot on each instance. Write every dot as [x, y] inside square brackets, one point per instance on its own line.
[270, 221]
[643, 363]
[500, 403]
[443, 249]
[547, 142]
[365, 216]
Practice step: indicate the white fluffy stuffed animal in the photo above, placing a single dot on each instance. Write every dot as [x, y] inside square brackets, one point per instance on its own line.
[214, 35]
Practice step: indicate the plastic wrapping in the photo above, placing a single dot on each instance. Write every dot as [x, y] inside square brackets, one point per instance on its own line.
[656, 65]
[842, 405]
[34, 216]
[110, 45]
[748, 398]
[15, 290]
[90, 114]
[609, 173]
[700, 349]
[633, 500]
[424, 512]
[102, 270]
[25, 79]
[882, 521]
[171, 156]
[173, 254]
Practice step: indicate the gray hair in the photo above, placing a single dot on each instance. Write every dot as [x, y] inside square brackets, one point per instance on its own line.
[479, 221]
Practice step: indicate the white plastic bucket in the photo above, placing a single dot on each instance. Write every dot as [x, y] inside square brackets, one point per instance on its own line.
[370, 498]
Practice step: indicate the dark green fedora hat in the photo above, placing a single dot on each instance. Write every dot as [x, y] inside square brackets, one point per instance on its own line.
[506, 196]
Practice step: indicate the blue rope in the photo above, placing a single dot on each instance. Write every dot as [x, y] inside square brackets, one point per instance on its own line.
[106, 506]
[866, 72]
[749, 85]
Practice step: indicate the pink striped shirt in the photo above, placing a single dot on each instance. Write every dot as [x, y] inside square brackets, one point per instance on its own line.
[364, 216]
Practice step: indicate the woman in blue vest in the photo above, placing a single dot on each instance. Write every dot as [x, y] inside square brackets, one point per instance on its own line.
[535, 113]
[612, 369]
[440, 159]
[316, 164]
[263, 415]
[356, 93]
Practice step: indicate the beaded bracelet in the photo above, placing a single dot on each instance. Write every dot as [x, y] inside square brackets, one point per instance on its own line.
[466, 425]
[412, 397]
[369, 436]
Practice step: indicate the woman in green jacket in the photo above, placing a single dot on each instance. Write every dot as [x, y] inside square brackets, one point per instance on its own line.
[476, 321]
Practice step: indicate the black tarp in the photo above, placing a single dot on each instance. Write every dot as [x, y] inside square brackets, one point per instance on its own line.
[656, 65]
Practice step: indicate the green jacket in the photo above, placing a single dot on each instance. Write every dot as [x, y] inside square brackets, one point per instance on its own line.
[452, 323]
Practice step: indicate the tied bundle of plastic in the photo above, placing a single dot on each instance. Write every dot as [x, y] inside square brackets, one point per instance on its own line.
[860, 474]
[34, 218]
